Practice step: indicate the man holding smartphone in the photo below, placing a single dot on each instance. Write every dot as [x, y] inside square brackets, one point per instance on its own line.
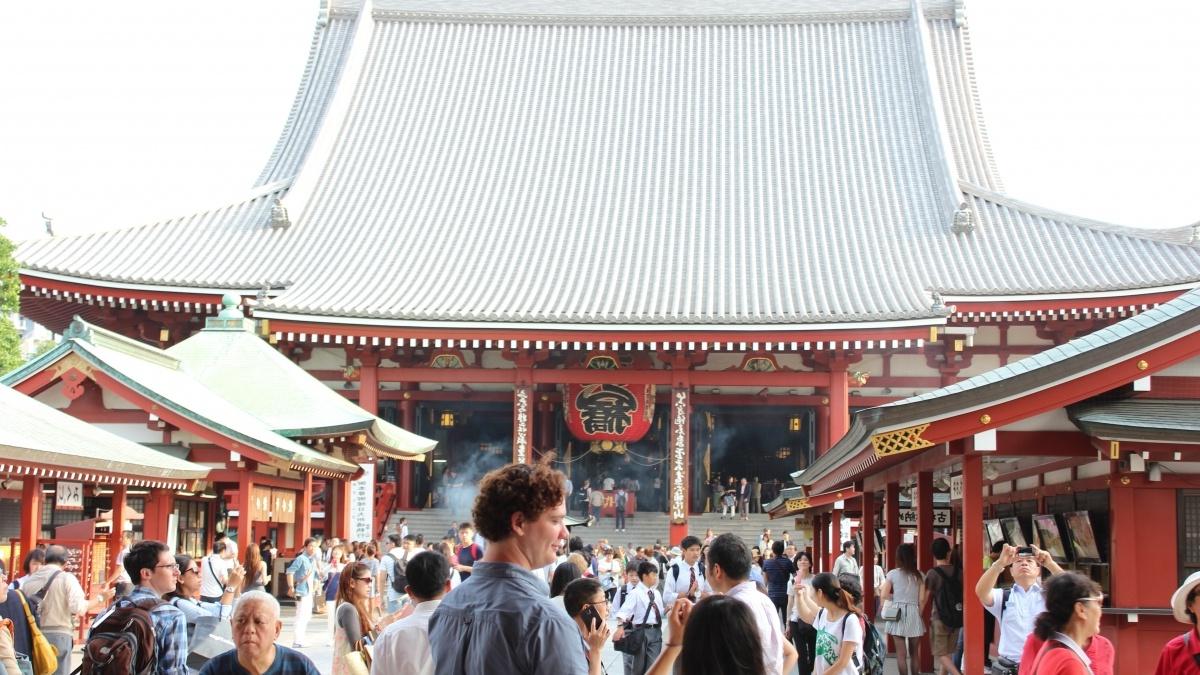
[1016, 609]
[586, 603]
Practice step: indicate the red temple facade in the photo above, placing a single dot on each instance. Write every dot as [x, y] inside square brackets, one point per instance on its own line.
[733, 230]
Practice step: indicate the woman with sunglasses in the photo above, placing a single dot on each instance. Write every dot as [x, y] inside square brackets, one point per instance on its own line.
[1066, 637]
[354, 621]
[186, 595]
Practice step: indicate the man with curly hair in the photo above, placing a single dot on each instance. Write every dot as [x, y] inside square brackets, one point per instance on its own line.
[500, 621]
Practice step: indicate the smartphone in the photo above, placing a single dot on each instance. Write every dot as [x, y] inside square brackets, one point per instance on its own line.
[1023, 551]
[591, 617]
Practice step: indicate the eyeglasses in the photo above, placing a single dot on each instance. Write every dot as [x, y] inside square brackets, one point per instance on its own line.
[362, 578]
[174, 566]
[191, 570]
[1099, 599]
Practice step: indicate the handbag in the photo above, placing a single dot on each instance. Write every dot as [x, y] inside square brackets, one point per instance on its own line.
[358, 659]
[890, 611]
[45, 655]
[634, 639]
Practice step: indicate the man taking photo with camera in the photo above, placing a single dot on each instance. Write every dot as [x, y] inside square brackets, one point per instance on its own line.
[1015, 609]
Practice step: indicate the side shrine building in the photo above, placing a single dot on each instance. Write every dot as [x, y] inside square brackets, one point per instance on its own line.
[663, 241]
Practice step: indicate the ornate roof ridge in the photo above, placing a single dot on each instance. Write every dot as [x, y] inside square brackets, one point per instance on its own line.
[648, 20]
[82, 331]
[279, 187]
[1187, 235]
[660, 12]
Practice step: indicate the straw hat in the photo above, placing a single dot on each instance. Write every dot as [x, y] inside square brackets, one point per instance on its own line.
[1179, 598]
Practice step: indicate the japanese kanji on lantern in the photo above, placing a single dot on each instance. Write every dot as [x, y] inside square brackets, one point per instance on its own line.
[609, 415]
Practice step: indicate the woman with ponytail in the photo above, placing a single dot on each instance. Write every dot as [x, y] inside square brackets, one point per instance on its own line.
[1070, 622]
[832, 612]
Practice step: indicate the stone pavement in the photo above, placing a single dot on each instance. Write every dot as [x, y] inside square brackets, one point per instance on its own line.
[320, 649]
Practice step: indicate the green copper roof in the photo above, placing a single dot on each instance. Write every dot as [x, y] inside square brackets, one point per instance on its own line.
[246, 371]
[33, 432]
[163, 379]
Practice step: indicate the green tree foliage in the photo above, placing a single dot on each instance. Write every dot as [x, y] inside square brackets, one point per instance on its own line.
[10, 302]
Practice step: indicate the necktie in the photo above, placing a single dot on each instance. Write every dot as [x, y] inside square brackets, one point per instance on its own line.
[657, 614]
[692, 596]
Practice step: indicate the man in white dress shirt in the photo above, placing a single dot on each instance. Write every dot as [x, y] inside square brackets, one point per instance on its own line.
[685, 577]
[643, 611]
[729, 573]
[403, 647]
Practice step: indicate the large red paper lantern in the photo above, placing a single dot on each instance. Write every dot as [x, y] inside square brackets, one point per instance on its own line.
[609, 412]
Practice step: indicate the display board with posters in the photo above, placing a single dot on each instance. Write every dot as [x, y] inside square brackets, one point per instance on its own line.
[1083, 537]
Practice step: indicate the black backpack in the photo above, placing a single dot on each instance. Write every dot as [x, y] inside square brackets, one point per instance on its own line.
[948, 600]
[399, 578]
[122, 642]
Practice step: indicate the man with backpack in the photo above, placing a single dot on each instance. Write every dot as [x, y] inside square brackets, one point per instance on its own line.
[141, 634]
[621, 501]
[56, 598]
[944, 585]
[392, 577]
[685, 577]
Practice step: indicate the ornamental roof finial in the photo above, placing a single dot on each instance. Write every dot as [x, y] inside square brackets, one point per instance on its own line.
[279, 215]
[964, 220]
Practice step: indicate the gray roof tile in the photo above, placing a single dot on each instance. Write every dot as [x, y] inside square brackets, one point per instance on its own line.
[494, 163]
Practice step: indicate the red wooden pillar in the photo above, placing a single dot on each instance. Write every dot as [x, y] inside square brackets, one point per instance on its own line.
[817, 541]
[835, 536]
[523, 404]
[545, 418]
[891, 517]
[1124, 577]
[925, 552]
[115, 537]
[868, 553]
[339, 526]
[245, 533]
[839, 402]
[303, 526]
[823, 424]
[972, 546]
[368, 400]
[679, 478]
[408, 420]
[31, 517]
[156, 521]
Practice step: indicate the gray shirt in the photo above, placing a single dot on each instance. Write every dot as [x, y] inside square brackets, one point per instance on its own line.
[500, 622]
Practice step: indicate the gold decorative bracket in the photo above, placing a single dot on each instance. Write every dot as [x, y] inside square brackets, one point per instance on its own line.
[794, 505]
[900, 441]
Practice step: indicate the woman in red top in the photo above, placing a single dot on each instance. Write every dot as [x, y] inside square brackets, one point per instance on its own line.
[1181, 656]
[1071, 620]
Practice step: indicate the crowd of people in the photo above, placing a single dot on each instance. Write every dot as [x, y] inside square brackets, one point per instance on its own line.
[512, 592]
[735, 497]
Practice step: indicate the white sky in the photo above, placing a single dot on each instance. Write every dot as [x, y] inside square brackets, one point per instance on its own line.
[120, 113]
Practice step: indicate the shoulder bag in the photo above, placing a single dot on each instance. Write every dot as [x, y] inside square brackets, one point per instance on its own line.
[358, 659]
[45, 655]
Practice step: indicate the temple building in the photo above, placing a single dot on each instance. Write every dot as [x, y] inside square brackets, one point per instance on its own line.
[223, 402]
[666, 242]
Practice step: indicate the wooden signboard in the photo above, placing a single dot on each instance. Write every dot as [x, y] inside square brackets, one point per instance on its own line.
[283, 506]
[260, 504]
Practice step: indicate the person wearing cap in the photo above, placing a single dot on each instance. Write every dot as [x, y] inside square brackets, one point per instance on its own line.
[1181, 655]
[1014, 610]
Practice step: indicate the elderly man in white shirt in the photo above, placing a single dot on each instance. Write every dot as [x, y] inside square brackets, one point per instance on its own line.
[729, 573]
[403, 647]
